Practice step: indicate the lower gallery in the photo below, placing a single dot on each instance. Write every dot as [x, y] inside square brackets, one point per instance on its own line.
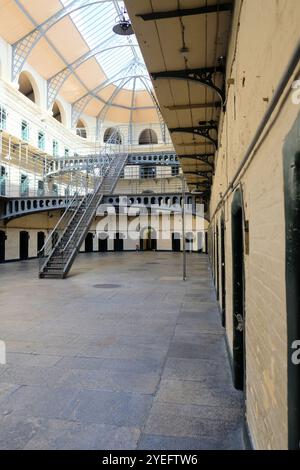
[149, 225]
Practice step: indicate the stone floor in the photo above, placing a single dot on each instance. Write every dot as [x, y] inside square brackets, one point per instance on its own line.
[139, 364]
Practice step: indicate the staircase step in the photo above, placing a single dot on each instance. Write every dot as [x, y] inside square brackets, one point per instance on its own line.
[57, 267]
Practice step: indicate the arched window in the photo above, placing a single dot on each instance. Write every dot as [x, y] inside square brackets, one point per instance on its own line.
[148, 136]
[81, 129]
[27, 87]
[112, 136]
[56, 112]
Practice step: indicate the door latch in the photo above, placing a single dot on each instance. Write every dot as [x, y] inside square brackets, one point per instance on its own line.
[240, 322]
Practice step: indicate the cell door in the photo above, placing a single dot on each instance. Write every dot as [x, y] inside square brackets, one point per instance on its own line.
[2, 246]
[118, 242]
[89, 243]
[24, 242]
[175, 242]
[153, 240]
[238, 279]
[102, 245]
[291, 163]
[223, 272]
[217, 267]
[40, 241]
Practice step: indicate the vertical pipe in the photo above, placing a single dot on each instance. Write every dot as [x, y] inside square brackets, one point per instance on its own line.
[183, 232]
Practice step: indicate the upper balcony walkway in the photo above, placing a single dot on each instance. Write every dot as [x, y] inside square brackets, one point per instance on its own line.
[13, 208]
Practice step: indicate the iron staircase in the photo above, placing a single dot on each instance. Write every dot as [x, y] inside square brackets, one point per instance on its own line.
[64, 242]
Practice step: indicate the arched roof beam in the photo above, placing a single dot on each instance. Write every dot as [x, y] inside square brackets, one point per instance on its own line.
[111, 104]
[104, 110]
[23, 47]
[130, 130]
[79, 105]
[55, 83]
[159, 114]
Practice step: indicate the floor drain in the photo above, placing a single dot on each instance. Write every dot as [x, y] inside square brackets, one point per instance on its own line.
[107, 286]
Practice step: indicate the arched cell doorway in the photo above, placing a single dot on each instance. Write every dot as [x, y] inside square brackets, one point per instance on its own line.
[23, 245]
[2, 246]
[238, 289]
[223, 271]
[89, 241]
[291, 163]
[148, 137]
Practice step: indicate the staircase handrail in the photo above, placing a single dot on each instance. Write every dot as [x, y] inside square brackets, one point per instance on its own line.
[94, 195]
[83, 215]
[49, 239]
[58, 223]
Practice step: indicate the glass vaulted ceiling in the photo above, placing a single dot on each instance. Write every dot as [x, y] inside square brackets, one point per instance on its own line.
[95, 24]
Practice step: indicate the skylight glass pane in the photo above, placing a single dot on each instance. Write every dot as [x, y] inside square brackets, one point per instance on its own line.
[95, 23]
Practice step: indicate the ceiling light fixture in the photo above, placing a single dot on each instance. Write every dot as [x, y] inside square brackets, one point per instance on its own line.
[123, 25]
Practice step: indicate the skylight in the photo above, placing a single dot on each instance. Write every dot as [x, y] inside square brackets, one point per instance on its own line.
[95, 24]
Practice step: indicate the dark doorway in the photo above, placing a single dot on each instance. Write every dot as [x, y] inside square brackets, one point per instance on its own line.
[150, 242]
[291, 159]
[206, 243]
[24, 239]
[217, 263]
[153, 240]
[213, 252]
[102, 244]
[2, 181]
[2, 246]
[89, 239]
[239, 369]
[40, 241]
[175, 242]
[142, 244]
[223, 272]
[118, 242]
